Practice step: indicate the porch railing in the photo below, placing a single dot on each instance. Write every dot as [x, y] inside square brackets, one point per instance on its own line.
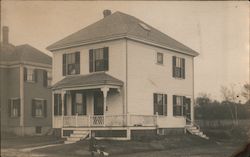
[143, 120]
[107, 120]
[115, 120]
[97, 120]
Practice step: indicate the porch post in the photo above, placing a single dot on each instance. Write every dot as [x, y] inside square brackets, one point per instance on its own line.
[105, 93]
[52, 109]
[128, 119]
[192, 110]
[62, 98]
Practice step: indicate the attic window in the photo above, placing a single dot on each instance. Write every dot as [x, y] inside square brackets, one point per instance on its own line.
[144, 26]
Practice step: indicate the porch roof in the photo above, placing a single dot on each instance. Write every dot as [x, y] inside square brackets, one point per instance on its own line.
[94, 79]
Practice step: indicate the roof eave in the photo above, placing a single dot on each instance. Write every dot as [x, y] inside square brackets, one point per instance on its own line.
[193, 53]
[87, 85]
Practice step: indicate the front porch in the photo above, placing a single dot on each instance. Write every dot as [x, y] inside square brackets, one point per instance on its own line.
[97, 102]
[117, 127]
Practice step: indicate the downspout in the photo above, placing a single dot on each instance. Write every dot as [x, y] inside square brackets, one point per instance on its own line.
[126, 98]
[126, 92]
[192, 116]
[21, 98]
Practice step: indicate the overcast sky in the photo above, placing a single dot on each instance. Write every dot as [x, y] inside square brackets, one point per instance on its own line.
[219, 31]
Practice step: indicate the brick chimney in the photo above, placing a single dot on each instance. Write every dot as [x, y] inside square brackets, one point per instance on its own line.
[5, 35]
[106, 13]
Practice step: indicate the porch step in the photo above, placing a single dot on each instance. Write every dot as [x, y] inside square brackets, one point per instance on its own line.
[196, 131]
[79, 131]
[77, 135]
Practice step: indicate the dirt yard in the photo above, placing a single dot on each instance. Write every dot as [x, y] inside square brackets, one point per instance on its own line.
[172, 146]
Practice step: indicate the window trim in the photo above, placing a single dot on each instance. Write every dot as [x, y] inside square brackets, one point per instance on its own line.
[66, 64]
[75, 104]
[92, 59]
[182, 105]
[26, 74]
[164, 104]
[11, 108]
[158, 63]
[47, 78]
[181, 67]
[43, 108]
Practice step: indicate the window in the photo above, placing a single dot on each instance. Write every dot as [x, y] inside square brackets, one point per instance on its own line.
[160, 104]
[47, 78]
[14, 107]
[178, 67]
[159, 58]
[38, 129]
[39, 108]
[79, 104]
[178, 103]
[71, 63]
[30, 74]
[99, 59]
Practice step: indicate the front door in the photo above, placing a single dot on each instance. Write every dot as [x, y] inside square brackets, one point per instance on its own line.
[98, 103]
[187, 110]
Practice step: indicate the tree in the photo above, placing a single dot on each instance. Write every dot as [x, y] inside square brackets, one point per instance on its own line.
[230, 99]
[228, 93]
[203, 99]
[202, 107]
[246, 91]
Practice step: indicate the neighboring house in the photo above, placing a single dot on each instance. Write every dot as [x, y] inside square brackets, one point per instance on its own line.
[119, 76]
[25, 89]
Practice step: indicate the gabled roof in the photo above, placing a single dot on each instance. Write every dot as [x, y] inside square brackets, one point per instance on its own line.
[120, 25]
[23, 53]
[93, 79]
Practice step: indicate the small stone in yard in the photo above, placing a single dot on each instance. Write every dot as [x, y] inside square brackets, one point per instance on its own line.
[82, 152]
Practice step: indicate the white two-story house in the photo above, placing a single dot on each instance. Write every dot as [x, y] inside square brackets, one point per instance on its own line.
[119, 76]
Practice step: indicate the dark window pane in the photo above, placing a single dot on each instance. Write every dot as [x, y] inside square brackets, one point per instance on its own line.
[71, 63]
[99, 59]
[159, 58]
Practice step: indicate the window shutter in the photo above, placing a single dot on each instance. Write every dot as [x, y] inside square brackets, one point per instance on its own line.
[60, 104]
[77, 59]
[155, 103]
[33, 108]
[174, 105]
[45, 78]
[25, 73]
[19, 107]
[183, 68]
[65, 104]
[91, 58]
[56, 106]
[64, 65]
[9, 107]
[165, 105]
[45, 108]
[84, 101]
[35, 75]
[106, 58]
[73, 106]
[174, 65]
[184, 105]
